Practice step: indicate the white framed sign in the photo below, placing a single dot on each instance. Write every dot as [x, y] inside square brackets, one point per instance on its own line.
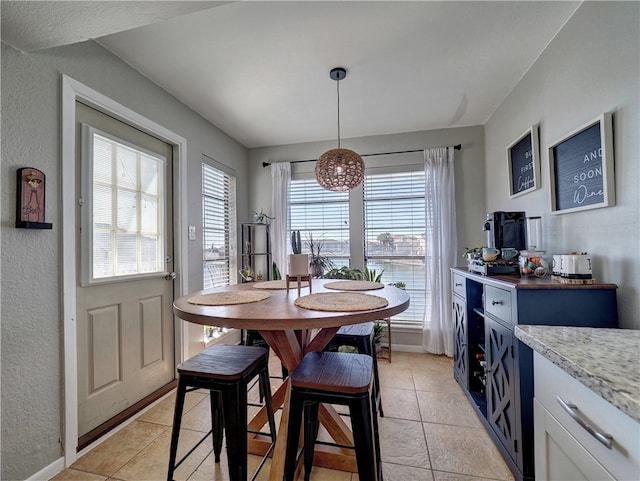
[523, 157]
[581, 168]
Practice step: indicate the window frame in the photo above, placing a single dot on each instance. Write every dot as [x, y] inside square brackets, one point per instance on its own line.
[357, 228]
[231, 222]
[87, 202]
[338, 260]
[397, 171]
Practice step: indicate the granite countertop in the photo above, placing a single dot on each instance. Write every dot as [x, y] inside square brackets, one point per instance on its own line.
[607, 361]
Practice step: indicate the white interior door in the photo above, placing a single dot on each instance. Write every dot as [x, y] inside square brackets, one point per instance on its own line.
[125, 336]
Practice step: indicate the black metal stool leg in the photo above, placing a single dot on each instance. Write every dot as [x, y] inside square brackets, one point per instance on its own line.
[217, 423]
[235, 425]
[311, 427]
[266, 386]
[376, 380]
[293, 435]
[376, 435]
[360, 411]
[175, 432]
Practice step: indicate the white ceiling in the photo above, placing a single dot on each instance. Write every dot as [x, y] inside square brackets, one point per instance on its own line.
[260, 70]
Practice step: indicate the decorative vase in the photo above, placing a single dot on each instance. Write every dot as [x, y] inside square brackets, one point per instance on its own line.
[316, 270]
[298, 264]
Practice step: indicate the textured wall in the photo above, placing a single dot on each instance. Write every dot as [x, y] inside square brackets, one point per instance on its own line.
[32, 364]
[591, 67]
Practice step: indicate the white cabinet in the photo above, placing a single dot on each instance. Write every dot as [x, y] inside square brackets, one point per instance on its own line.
[577, 434]
[559, 456]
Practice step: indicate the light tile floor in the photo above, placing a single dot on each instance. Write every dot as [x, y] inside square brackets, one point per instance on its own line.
[429, 432]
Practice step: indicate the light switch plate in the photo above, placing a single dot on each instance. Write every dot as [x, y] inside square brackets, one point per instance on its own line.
[192, 232]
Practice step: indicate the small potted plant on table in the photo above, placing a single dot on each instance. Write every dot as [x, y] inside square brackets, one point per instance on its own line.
[298, 262]
[318, 262]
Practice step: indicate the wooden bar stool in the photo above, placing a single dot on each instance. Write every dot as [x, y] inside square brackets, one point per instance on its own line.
[361, 337]
[226, 372]
[333, 378]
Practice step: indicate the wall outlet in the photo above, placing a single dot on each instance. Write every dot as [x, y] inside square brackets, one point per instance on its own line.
[192, 232]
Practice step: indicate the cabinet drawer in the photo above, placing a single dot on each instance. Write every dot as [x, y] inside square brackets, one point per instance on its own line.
[622, 460]
[459, 285]
[559, 455]
[497, 302]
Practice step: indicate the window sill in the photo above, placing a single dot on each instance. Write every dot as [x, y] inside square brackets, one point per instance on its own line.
[218, 336]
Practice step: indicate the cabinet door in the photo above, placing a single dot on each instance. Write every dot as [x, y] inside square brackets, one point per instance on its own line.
[559, 456]
[460, 349]
[501, 412]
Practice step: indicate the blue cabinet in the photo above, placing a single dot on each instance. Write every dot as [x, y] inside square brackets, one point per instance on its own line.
[494, 368]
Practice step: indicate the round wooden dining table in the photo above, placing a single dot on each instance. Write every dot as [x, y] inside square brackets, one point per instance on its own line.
[291, 332]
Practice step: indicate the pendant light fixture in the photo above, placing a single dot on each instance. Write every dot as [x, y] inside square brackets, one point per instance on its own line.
[339, 169]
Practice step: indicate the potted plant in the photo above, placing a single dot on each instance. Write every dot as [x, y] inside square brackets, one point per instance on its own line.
[261, 217]
[298, 262]
[378, 328]
[317, 261]
[343, 273]
[371, 275]
[247, 272]
[471, 253]
[275, 272]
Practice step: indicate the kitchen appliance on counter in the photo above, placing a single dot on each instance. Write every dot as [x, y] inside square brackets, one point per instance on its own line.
[505, 231]
[573, 268]
[493, 268]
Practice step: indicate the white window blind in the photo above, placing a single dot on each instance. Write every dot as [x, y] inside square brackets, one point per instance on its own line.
[394, 230]
[218, 225]
[125, 192]
[316, 211]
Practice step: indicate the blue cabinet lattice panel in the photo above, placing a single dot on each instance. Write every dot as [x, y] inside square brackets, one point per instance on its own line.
[460, 341]
[500, 383]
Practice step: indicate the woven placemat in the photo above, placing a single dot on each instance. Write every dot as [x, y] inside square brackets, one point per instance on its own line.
[354, 285]
[341, 302]
[228, 298]
[281, 284]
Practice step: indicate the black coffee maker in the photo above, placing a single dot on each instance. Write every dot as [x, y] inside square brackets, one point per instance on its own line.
[506, 229]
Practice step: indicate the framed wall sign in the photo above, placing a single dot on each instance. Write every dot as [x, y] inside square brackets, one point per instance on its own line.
[30, 199]
[581, 168]
[523, 157]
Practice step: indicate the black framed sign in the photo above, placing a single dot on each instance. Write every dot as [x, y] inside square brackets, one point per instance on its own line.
[581, 165]
[523, 157]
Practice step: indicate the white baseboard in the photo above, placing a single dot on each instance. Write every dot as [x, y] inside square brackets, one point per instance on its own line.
[48, 472]
[406, 348]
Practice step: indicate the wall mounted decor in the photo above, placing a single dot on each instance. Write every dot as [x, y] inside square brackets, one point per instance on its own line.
[30, 199]
[581, 165]
[523, 157]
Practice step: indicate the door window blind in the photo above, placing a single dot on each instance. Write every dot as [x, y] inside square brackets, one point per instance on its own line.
[124, 189]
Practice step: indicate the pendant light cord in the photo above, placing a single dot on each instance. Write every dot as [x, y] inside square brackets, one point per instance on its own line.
[338, 92]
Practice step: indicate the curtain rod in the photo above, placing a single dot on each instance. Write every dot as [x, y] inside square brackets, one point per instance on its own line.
[456, 147]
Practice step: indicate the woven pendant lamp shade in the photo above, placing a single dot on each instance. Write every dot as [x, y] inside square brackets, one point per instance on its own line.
[339, 170]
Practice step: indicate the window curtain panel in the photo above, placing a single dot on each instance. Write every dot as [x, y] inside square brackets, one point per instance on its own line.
[441, 247]
[280, 186]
